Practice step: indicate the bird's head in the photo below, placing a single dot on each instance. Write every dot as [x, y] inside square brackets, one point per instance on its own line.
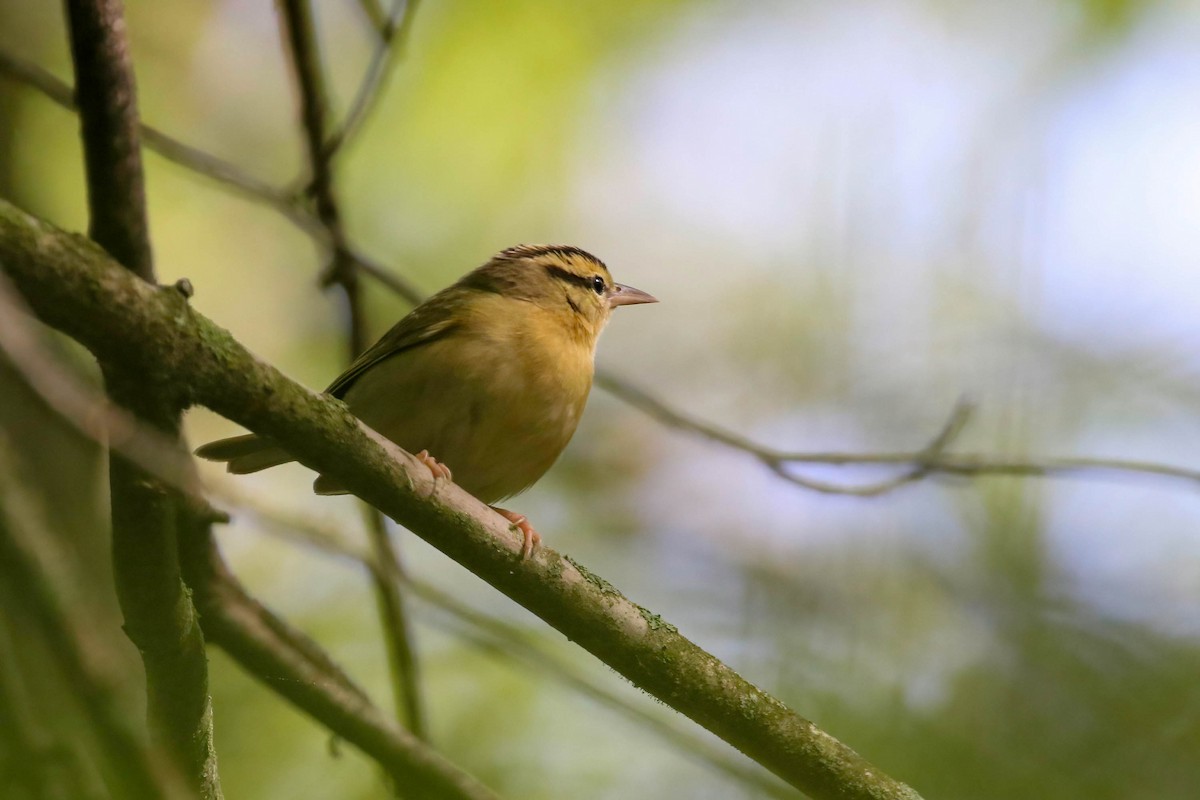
[565, 281]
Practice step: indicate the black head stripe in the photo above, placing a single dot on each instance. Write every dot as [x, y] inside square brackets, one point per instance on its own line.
[568, 276]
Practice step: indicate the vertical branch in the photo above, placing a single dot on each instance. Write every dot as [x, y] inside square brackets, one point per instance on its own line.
[159, 616]
[342, 272]
[393, 614]
[105, 94]
[302, 44]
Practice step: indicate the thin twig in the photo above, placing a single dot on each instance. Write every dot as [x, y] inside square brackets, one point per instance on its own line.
[170, 148]
[393, 36]
[398, 284]
[923, 462]
[301, 37]
[397, 625]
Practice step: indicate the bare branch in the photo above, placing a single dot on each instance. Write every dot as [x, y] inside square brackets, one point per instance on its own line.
[75, 288]
[108, 117]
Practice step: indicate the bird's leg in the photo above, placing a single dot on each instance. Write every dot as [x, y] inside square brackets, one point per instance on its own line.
[521, 523]
[440, 472]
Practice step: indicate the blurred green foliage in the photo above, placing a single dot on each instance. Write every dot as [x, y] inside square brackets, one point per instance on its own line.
[996, 638]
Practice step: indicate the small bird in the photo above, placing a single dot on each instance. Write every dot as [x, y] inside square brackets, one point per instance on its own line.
[489, 375]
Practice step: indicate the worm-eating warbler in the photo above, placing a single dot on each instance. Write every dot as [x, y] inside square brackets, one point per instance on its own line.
[489, 375]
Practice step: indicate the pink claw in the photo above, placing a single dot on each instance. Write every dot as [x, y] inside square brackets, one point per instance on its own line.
[439, 470]
[532, 537]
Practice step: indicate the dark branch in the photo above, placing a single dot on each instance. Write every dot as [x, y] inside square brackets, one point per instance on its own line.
[111, 145]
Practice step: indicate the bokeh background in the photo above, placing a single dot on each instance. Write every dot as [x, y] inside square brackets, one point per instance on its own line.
[854, 214]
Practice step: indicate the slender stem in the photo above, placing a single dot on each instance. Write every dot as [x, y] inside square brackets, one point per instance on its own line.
[397, 625]
[342, 272]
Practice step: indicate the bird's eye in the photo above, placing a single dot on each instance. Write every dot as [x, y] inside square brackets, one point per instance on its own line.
[598, 284]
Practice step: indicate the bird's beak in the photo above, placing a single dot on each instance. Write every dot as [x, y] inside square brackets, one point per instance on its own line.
[622, 295]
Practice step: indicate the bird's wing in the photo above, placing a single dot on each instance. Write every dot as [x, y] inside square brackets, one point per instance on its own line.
[428, 322]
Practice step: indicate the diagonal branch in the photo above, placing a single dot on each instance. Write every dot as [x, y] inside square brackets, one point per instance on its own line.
[75, 288]
[262, 643]
[287, 662]
[89, 413]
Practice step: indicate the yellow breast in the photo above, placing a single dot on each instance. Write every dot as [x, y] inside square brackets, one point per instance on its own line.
[496, 401]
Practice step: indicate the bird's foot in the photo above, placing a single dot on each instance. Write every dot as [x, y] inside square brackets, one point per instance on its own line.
[441, 473]
[521, 523]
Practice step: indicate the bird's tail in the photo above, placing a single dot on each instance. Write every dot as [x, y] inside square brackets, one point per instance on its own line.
[246, 453]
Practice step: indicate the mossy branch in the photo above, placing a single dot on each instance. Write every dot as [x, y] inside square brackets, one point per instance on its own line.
[75, 287]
